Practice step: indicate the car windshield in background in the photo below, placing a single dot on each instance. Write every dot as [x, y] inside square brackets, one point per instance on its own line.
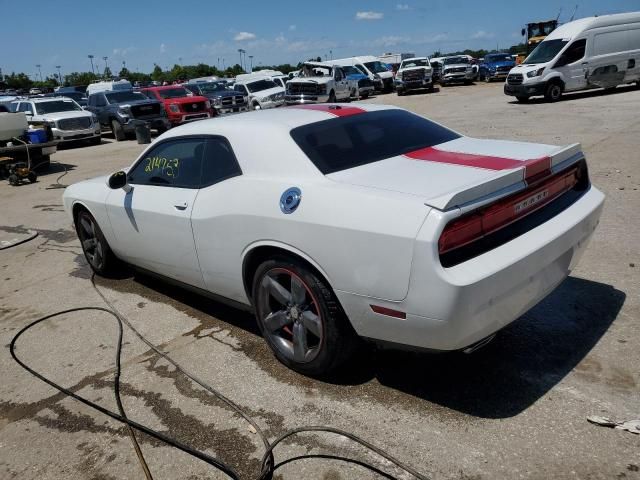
[211, 87]
[120, 97]
[498, 58]
[173, 92]
[43, 108]
[455, 60]
[347, 142]
[261, 85]
[545, 51]
[75, 95]
[348, 70]
[376, 67]
[415, 63]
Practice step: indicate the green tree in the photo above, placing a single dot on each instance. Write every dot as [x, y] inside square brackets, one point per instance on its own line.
[157, 74]
[107, 73]
[80, 78]
[124, 73]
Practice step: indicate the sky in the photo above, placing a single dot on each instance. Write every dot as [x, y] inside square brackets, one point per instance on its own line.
[141, 34]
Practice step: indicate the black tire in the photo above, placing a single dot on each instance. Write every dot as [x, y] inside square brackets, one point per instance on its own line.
[328, 344]
[467, 82]
[332, 97]
[364, 95]
[522, 99]
[118, 131]
[487, 79]
[32, 176]
[553, 91]
[14, 180]
[400, 92]
[95, 247]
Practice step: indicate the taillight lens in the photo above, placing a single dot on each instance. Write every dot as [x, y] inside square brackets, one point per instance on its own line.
[470, 228]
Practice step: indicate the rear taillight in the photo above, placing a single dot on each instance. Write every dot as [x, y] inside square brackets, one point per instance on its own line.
[472, 227]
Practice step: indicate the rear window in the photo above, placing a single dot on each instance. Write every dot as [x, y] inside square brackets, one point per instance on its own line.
[341, 143]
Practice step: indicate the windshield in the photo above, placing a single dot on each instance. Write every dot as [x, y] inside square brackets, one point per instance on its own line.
[545, 51]
[261, 85]
[414, 63]
[315, 71]
[498, 58]
[376, 67]
[173, 92]
[455, 60]
[120, 97]
[350, 141]
[348, 70]
[211, 87]
[54, 106]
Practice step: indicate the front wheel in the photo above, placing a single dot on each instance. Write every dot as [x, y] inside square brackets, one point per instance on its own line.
[300, 317]
[553, 92]
[332, 97]
[95, 247]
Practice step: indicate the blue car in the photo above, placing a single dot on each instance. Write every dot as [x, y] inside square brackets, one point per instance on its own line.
[359, 83]
[496, 66]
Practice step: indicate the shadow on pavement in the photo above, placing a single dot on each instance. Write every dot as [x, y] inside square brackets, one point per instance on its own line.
[580, 95]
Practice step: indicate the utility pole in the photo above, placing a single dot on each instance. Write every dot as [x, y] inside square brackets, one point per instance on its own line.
[105, 64]
[251, 67]
[92, 69]
[331, 54]
[39, 70]
[59, 75]
[241, 51]
[180, 60]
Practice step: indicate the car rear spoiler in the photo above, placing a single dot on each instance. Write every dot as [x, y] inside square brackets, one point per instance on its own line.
[508, 181]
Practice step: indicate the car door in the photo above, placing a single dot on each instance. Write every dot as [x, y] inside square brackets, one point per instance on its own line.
[151, 217]
[342, 85]
[573, 66]
[27, 108]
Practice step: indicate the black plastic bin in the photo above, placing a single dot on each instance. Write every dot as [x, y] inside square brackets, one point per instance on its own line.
[143, 132]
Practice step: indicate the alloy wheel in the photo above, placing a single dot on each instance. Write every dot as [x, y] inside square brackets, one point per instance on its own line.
[91, 244]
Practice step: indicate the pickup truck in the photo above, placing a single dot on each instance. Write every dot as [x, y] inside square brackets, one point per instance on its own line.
[180, 104]
[414, 73]
[14, 142]
[318, 83]
[222, 98]
[359, 83]
[496, 66]
[119, 110]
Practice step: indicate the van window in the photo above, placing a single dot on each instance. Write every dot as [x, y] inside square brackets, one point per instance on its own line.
[573, 53]
[611, 42]
[545, 51]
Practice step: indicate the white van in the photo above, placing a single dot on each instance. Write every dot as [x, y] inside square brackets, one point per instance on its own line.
[109, 86]
[371, 66]
[594, 52]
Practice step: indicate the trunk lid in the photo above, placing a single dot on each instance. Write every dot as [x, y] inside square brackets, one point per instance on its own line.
[462, 171]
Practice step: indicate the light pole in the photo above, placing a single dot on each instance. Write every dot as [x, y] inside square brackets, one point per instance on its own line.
[241, 51]
[105, 65]
[59, 75]
[330, 54]
[251, 60]
[38, 67]
[92, 69]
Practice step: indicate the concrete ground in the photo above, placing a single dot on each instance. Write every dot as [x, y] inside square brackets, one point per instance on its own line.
[515, 409]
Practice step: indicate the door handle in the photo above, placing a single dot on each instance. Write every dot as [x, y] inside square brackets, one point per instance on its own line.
[181, 206]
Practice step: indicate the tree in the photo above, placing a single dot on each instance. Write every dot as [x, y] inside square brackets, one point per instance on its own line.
[124, 73]
[107, 73]
[157, 74]
[80, 78]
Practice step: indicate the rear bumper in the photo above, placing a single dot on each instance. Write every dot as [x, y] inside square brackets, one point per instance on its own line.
[524, 90]
[452, 308]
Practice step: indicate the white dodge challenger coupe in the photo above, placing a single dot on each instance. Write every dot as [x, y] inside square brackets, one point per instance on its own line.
[335, 223]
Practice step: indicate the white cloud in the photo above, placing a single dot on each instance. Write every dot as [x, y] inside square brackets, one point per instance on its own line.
[280, 39]
[402, 6]
[163, 48]
[292, 27]
[482, 35]
[123, 52]
[242, 36]
[389, 41]
[369, 16]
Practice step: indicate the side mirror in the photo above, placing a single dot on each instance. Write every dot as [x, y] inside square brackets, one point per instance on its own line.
[118, 180]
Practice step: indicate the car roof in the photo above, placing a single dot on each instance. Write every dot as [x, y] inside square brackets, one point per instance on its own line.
[163, 87]
[43, 99]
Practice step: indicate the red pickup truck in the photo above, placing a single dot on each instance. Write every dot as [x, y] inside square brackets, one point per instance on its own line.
[181, 106]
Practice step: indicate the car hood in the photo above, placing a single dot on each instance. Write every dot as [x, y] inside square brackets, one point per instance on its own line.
[136, 102]
[311, 80]
[457, 172]
[502, 63]
[63, 115]
[183, 100]
[408, 69]
[455, 65]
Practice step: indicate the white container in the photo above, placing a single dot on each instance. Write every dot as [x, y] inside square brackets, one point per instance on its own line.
[12, 125]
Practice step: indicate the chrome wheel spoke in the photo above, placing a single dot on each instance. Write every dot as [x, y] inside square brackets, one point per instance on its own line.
[298, 292]
[311, 322]
[276, 320]
[277, 291]
[299, 342]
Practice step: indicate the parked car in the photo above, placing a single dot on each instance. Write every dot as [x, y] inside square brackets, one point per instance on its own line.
[456, 69]
[496, 66]
[180, 104]
[359, 83]
[35, 91]
[593, 52]
[318, 83]
[381, 77]
[414, 73]
[345, 222]
[262, 92]
[119, 111]
[223, 99]
[68, 121]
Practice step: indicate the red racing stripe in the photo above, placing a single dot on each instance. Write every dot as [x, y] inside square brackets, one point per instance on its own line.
[337, 110]
[532, 167]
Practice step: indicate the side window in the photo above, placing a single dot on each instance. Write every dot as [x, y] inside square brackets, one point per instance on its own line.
[175, 163]
[574, 53]
[241, 89]
[100, 100]
[91, 101]
[339, 75]
[219, 162]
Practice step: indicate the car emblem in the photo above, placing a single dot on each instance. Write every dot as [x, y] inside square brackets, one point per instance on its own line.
[290, 200]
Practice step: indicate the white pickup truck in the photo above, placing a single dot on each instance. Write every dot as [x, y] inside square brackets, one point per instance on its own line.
[414, 73]
[318, 83]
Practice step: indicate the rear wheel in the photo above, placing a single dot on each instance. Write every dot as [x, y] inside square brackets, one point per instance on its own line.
[300, 317]
[553, 92]
[95, 247]
[118, 131]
